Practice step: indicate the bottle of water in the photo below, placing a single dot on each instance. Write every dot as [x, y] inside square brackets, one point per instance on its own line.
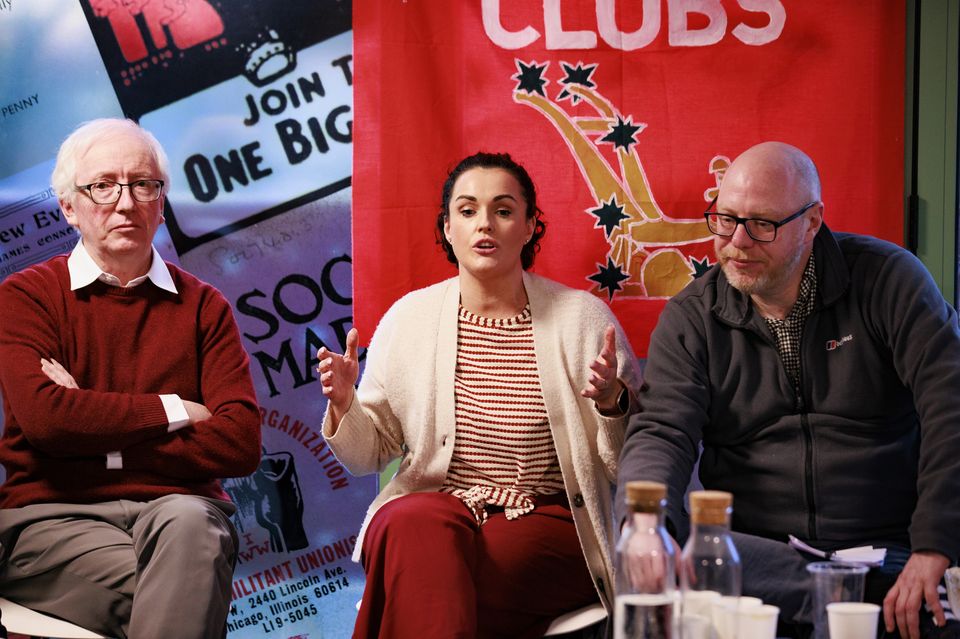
[710, 567]
[646, 580]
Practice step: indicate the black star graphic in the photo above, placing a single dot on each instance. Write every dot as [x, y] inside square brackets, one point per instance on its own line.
[576, 75]
[621, 134]
[609, 215]
[531, 77]
[700, 267]
[609, 277]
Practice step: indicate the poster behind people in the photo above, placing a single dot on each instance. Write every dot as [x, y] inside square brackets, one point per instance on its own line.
[47, 53]
[627, 114]
[253, 102]
[289, 278]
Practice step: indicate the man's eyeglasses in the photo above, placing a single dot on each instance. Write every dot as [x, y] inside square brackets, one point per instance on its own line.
[760, 230]
[108, 192]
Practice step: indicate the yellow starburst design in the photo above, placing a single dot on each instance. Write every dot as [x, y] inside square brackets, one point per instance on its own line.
[645, 242]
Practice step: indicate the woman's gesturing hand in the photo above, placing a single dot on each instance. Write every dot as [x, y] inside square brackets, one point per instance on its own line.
[603, 387]
[338, 375]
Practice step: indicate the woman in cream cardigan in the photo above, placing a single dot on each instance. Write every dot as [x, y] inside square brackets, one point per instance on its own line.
[506, 397]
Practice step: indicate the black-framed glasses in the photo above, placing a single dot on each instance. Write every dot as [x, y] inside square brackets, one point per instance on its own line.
[108, 191]
[758, 229]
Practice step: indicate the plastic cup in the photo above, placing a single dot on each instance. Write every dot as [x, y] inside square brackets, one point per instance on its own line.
[833, 581]
[726, 613]
[696, 627]
[742, 602]
[699, 602]
[758, 622]
[695, 614]
[853, 619]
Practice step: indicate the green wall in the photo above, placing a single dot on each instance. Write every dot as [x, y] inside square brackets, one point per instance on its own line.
[931, 140]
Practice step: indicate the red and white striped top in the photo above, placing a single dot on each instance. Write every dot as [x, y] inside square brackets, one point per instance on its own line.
[504, 451]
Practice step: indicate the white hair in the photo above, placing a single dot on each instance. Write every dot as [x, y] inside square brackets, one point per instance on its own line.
[85, 137]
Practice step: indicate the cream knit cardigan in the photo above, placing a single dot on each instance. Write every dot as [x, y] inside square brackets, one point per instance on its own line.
[404, 406]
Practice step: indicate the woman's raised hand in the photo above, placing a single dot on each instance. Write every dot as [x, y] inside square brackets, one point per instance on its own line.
[603, 387]
[338, 375]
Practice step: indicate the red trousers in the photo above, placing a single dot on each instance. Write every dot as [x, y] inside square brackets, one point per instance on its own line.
[433, 572]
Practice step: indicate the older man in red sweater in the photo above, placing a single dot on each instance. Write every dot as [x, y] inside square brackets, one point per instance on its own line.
[127, 395]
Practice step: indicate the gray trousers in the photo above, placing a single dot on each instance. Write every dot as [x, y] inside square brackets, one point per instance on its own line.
[777, 574]
[156, 569]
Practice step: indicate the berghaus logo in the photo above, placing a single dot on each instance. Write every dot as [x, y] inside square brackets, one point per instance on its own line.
[834, 344]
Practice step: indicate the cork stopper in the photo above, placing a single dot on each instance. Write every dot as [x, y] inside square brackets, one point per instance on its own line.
[645, 496]
[711, 507]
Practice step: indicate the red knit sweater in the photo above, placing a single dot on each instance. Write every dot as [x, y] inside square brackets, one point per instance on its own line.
[124, 347]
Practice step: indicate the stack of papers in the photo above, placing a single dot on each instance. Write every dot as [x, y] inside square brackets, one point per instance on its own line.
[866, 555]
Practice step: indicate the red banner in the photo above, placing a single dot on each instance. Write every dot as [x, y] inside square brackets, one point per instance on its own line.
[626, 114]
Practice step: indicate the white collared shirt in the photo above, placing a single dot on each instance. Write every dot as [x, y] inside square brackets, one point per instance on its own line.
[84, 271]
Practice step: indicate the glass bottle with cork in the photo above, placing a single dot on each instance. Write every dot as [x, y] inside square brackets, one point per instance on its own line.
[710, 565]
[646, 576]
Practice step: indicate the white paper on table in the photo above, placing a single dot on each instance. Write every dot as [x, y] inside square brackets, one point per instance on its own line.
[866, 555]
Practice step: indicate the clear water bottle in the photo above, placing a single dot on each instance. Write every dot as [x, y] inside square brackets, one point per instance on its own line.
[646, 579]
[710, 566]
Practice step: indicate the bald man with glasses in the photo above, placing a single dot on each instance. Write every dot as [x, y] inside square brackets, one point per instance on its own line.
[127, 397]
[820, 374]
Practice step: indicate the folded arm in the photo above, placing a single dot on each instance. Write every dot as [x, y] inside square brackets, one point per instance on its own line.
[226, 443]
[60, 420]
[194, 412]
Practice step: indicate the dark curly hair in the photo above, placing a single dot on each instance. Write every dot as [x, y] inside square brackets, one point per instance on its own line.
[529, 191]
